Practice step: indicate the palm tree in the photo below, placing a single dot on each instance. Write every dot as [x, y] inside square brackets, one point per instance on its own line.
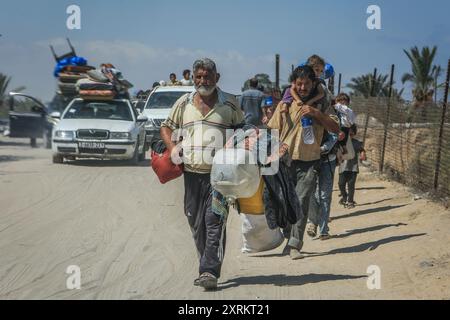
[424, 74]
[4, 82]
[366, 86]
[437, 74]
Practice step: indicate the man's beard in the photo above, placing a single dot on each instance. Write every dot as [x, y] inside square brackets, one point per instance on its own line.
[304, 98]
[309, 96]
[205, 91]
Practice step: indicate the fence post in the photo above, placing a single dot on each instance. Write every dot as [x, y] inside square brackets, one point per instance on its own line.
[331, 84]
[339, 83]
[372, 92]
[388, 113]
[277, 70]
[441, 130]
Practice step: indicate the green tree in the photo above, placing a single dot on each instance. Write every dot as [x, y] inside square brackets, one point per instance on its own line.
[366, 86]
[263, 80]
[424, 74]
[4, 83]
[437, 86]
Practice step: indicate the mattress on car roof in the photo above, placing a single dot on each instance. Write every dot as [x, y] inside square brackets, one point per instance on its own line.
[87, 84]
[80, 69]
[97, 94]
[67, 88]
[71, 77]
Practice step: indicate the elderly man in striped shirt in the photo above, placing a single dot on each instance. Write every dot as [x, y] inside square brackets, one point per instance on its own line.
[207, 112]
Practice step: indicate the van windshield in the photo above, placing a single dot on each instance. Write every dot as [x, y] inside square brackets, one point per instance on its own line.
[164, 100]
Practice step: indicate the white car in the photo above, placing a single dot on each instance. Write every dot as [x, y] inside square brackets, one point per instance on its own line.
[99, 129]
[158, 105]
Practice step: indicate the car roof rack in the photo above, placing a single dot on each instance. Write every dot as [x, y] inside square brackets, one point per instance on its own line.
[70, 54]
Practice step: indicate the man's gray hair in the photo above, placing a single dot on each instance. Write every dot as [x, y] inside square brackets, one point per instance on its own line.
[206, 64]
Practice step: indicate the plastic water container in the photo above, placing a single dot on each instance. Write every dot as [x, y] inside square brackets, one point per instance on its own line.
[308, 130]
[268, 101]
[235, 173]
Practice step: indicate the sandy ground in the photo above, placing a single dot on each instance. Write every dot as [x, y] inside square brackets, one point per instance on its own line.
[128, 235]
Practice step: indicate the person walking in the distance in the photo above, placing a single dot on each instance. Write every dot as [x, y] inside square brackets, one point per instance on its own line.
[346, 116]
[348, 172]
[321, 200]
[252, 104]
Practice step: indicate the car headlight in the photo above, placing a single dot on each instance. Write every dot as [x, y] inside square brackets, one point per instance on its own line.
[66, 135]
[120, 135]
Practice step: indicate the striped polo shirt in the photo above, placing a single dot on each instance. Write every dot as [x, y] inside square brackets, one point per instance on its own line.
[203, 135]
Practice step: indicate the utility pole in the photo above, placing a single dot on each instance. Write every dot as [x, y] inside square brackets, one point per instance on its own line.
[441, 130]
[386, 125]
[331, 85]
[277, 71]
[339, 83]
[372, 93]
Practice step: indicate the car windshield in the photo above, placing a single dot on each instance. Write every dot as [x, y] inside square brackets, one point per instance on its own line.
[105, 110]
[163, 100]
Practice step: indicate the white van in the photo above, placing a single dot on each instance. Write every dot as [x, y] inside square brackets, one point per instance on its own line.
[158, 105]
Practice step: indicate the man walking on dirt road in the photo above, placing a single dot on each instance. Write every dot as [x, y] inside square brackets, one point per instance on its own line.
[206, 109]
[305, 157]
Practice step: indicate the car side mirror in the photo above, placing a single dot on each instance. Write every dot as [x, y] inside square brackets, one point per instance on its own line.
[37, 109]
[55, 115]
[142, 118]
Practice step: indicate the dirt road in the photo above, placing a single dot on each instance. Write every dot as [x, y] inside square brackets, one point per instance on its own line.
[128, 235]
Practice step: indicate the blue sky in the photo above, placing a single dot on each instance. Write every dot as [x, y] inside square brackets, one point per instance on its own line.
[147, 40]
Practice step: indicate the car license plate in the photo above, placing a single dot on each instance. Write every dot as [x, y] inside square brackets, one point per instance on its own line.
[91, 145]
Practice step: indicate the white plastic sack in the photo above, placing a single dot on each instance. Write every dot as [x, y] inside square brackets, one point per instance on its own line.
[235, 173]
[257, 236]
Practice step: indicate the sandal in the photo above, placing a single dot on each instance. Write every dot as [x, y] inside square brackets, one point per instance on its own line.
[324, 237]
[208, 281]
[312, 230]
[343, 202]
[351, 205]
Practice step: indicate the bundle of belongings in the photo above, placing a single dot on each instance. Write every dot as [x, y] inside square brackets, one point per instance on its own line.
[273, 202]
[69, 71]
[77, 78]
[106, 83]
[256, 234]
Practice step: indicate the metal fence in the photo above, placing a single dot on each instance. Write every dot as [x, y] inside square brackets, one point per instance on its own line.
[409, 143]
